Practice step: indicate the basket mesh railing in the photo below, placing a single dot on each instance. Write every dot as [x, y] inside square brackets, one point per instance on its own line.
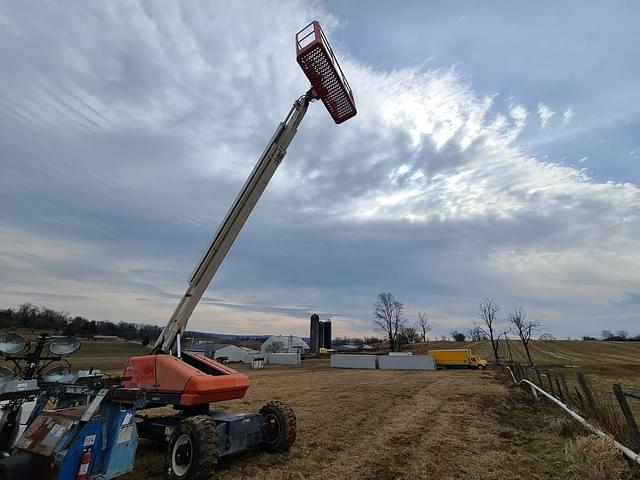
[315, 56]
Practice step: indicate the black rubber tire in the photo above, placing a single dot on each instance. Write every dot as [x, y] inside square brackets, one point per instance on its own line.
[203, 446]
[284, 421]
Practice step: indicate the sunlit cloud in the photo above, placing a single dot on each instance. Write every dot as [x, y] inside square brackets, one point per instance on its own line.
[118, 167]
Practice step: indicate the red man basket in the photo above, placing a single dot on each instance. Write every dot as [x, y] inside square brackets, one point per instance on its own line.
[316, 58]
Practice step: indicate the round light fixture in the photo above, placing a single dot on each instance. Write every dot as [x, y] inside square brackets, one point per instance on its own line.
[12, 344]
[64, 345]
[56, 374]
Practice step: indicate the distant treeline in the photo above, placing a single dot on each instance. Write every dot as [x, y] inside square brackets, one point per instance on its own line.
[619, 336]
[356, 341]
[224, 336]
[36, 318]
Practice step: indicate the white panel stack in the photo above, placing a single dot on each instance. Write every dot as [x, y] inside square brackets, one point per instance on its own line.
[408, 362]
[282, 358]
[354, 361]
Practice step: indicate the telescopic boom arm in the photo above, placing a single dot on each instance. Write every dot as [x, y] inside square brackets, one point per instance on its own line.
[328, 84]
[233, 223]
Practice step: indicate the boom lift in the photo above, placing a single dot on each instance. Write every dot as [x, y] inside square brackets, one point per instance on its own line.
[90, 435]
[191, 382]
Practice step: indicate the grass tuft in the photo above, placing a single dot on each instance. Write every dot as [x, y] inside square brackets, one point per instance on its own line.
[566, 427]
[595, 458]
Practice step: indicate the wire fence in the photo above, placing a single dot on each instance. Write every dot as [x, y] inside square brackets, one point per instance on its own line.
[612, 414]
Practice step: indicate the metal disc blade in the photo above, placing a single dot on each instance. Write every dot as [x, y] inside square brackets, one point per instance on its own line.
[56, 374]
[12, 344]
[64, 345]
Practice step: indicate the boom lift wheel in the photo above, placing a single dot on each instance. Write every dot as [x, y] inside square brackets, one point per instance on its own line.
[192, 453]
[280, 431]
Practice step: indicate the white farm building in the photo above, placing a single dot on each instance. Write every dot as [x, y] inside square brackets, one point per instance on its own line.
[233, 353]
[284, 344]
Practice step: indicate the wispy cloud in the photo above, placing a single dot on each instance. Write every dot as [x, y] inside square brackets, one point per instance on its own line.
[544, 114]
[567, 116]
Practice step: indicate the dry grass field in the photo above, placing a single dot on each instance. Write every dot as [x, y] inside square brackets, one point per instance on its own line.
[567, 353]
[358, 424]
[604, 362]
[111, 356]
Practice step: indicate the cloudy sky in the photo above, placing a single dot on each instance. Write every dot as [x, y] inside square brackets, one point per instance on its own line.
[495, 153]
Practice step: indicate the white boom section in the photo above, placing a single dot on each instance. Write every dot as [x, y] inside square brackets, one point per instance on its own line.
[232, 224]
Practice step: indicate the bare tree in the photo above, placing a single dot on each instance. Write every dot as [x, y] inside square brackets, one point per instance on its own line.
[389, 318]
[408, 334]
[487, 323]
[423, 325]
[476, 334]
[606, 334]
[524, 328]
[458, 336]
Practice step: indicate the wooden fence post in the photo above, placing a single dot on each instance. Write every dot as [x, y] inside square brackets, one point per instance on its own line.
[540, 384]
[560, 392]
[628, 415]
[579, 400]
[534, 392]
[517, 371]
[565, 387]
[551, 391]
[588, 395]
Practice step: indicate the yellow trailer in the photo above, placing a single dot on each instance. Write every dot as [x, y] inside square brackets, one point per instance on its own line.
[461, 357]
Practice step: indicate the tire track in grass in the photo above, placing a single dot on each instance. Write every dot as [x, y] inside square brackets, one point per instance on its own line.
[390, 444]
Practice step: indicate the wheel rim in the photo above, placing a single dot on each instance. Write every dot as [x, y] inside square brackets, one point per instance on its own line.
[182, 455]
[272, 429]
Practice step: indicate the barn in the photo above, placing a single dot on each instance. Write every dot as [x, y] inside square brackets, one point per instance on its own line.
[284, 344]
[206, 348]
[233, 353]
